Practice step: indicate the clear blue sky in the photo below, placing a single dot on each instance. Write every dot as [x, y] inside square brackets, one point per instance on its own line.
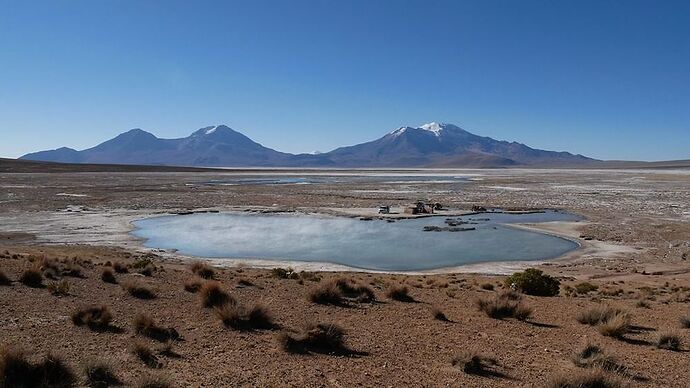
[609, 79]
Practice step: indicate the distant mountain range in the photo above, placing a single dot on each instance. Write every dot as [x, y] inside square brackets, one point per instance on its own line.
[431, 145]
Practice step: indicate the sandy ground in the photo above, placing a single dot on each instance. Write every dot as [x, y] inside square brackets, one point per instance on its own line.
[635, 239]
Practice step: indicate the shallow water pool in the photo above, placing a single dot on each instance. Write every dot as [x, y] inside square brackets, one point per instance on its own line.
[374, 245]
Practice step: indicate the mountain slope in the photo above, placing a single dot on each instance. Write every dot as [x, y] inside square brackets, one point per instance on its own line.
[431, 145]
[436, 145]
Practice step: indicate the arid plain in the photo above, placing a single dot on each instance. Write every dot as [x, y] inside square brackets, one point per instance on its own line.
[74, 226]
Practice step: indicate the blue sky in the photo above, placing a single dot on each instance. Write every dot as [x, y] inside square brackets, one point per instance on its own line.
[608, 79]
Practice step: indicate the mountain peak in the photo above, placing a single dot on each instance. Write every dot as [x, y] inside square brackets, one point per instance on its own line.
[434, 127]
[213, 129]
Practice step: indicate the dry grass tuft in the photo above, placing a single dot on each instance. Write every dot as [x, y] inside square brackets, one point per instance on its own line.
[120, 268]
[685, 322]
[4, 280]
[59, 288]
[239, 317]
[17, 371]
[202, 270]
[400, 293]
[341, 290]
[32, 277]
[615, 327]
[474, 363]
[95, 317]
[585, 379]
[597, 315]
[213, 295]
[145, 325]
[669, 341]
[316, 338]
[108, 276]
[192, 285]
[593, 356]
[146, 355]
[505, 305]
[156, 381]
[439, 315]
[139, 290]
[100, 374]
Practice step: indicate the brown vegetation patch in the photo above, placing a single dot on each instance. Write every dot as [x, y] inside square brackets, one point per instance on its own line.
[213, 295]
[505, 305]
[315, 338]
[17, 371]
[239, 317]
[95, 317]
[591, 378]
[400, 293]
[32, 277]
[100, 374]
[145, 325]
[202, 270]
[108, 276]
[138, 290]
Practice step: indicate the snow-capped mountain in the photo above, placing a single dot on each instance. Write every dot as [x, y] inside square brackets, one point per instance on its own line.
[429, 145]
[445, 145]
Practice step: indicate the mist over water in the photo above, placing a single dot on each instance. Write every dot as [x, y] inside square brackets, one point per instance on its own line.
[375, 245]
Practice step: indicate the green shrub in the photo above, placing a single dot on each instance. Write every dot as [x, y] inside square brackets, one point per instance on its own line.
[534, 282]
[585, 287]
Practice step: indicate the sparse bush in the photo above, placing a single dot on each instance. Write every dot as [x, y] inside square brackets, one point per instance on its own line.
[642, 303]
[282, 273]
[585, 287]
[592, 378]
[146, 355]
[142, 262]
[597, 315]
[108, 276]
[192, 285]
[245, 283]
[17, 371]
[154, 382]
[100, 374]
[59, 288]
[202, 270]
[326, 293]
[319, 338]
[95, 317]
[73, 269]
[439, 315]
[147, 271]
[212, 295]
[4, 280]
[534, 282]
[487, 286]
[400, 293]
[145, 325]
[685, 322]
[593, 356]
[616, 327]
[120, 268]
[505, 305]
[139, 290]
[472, 362]
[238, 317]
[669, 341]
[338, 290]
[32, 278]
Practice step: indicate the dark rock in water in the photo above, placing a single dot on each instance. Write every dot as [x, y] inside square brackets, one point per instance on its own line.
[433, 228]
[476, 208]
